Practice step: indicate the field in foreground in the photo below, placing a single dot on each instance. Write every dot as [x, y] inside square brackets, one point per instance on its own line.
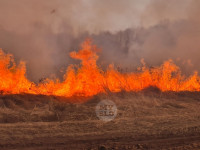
[146, 120]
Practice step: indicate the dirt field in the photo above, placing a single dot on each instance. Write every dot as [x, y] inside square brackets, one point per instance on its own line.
[145, 120]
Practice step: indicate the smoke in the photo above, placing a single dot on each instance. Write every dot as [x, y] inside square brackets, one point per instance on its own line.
[42, 33]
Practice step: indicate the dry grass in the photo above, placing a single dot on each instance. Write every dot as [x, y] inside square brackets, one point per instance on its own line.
[36, 121]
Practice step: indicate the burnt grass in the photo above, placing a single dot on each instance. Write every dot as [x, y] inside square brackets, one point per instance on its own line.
[149, 119]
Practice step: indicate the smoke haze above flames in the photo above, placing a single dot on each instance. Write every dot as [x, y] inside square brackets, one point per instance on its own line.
[42, 33]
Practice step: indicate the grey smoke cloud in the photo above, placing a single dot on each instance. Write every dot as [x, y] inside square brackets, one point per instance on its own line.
[44, 32]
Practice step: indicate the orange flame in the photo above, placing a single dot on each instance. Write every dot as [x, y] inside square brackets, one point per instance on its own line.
[89, 80]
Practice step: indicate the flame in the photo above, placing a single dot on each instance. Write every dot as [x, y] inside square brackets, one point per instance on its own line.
[89, 79]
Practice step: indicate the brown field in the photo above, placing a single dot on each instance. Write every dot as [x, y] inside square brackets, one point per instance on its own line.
[146, 120]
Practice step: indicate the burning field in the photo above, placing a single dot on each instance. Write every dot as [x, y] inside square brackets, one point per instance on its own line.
[89, 79]
[157, 108]
[90, 76]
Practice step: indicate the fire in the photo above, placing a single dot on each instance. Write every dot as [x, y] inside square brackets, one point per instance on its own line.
[12, 77]
[89, 79]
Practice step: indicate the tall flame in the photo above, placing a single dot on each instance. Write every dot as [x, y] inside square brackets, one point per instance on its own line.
[90, 80]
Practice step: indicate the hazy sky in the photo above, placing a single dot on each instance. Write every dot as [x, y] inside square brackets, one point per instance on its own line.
[92, 15]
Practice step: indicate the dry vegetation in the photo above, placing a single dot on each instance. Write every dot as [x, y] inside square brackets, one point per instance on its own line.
[146, 120]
